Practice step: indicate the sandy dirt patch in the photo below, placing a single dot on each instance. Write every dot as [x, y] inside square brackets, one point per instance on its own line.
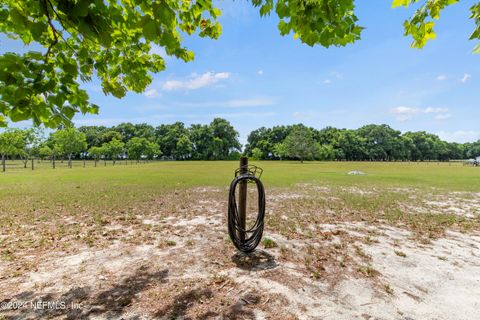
[175, 261]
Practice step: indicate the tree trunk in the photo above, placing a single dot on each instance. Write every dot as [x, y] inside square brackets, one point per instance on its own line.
[33, 163]
[70, 160]
[95, 163]
[84, 163]
[53, 162]
[3, 162]
[105, 163]
[25, 163]
[113, 162]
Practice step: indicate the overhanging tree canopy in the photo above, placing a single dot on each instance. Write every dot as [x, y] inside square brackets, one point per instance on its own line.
[113, 39]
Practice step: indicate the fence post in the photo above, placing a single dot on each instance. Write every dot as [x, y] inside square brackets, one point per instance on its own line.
[242, 194]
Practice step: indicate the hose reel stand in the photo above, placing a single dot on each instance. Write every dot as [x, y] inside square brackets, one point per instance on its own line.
[245, 240]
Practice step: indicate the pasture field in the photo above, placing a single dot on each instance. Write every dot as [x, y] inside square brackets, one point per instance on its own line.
[149, 241]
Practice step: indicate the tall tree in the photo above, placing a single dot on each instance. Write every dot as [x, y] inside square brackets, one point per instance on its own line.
[12, 143]
[32, 139]
[225, 138]
[201, 138]
[69, 141]
[168, 135]
[114, 149]
[96, 153]
[137, 147]
[299, 144]
[184, 148]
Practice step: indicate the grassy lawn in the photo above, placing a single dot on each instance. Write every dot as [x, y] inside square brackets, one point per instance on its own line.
[319, 219]
[106, 191]
[121, 184]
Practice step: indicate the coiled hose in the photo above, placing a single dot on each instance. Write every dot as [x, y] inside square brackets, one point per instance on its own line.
[245, 240]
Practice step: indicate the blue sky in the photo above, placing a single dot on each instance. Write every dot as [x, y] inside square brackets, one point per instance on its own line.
[254, 77]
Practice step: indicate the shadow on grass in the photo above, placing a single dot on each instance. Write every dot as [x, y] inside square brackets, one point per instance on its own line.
[255, 261]
[107, 304]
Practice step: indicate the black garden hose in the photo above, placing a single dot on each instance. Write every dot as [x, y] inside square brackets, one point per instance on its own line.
[245, 240]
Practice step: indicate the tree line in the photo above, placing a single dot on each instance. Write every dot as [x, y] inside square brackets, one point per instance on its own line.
[215, 141]
[219, 141]
[369, 143]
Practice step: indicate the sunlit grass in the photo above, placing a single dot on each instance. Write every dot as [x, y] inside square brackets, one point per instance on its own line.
[122, 185]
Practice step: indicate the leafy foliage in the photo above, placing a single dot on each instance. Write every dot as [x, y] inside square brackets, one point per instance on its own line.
[69, 141]
[112, 40]
[324, 22]
[300, 144]
[116, 41]
[420, 25]
[114, 149]
[370, 142]
[138, 147]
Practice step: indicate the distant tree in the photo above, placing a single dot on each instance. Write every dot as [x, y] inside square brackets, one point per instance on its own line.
[152, 150]
[167, 136]
[259, 139]
[144, 130]
[137, 147]
[225, 138]
[127, 130]
[299, 144]
[12, 143]
[474, 150]
[93, 135]
[380, 142]
[114, 149]
[352, 146]
[111, 134]
[280, 151]
[68, 141]
[201, 138]
[96, 153]
[184, 147]
[45, 152]
[257, 154]
[325, 152]
[32, 139]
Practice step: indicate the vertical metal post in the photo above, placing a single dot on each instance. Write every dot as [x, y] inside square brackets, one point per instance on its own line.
[242, 194]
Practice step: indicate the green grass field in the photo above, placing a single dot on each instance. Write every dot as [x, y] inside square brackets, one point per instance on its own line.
[121, 185]
[172, 215]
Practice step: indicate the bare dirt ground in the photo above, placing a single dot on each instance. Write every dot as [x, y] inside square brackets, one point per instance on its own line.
[335, 254]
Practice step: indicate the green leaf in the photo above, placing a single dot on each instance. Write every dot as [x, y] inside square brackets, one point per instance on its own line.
[150, 30]
[476, 50]
[399, 3]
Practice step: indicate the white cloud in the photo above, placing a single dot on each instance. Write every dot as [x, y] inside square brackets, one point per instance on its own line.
[440, 113]
[151, 93]
[465, 78]
[234, 103]
[196, 81]
[443, 116]
[255, 102]
[441, 77]
[436, 110]
[461, 136]
[260, 72]
[404, 113]
[327, 81]
[407, 113]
